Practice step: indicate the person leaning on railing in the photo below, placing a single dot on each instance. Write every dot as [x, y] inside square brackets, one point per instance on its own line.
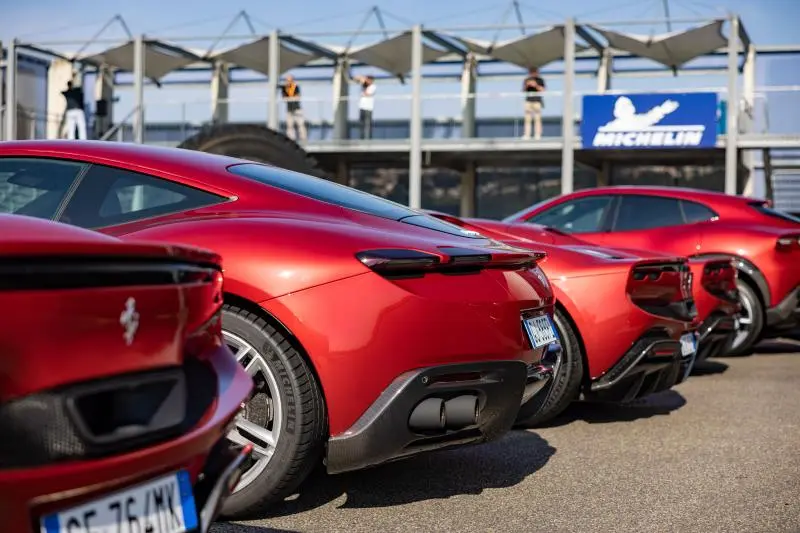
[366, 104]
[533, 87]
[290, 91]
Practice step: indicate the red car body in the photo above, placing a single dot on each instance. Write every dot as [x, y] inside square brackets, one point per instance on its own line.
[114, 374]
[763, 243]
[645, 301]
[713, 287]
[377, 307]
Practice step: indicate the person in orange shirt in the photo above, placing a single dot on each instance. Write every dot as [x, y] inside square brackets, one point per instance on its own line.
[290, 91]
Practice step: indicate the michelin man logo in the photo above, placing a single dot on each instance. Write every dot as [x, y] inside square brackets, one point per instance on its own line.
[631, 129]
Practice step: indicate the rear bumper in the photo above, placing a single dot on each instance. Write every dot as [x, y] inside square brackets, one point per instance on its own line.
[785, 315]
[384, 433]
[716, 336]
[29, 493]
[654, 363]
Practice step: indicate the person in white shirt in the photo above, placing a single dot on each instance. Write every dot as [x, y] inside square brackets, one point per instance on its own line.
[366, 104]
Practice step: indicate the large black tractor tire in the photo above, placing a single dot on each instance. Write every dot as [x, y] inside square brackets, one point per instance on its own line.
[566, 383]
[254, 143]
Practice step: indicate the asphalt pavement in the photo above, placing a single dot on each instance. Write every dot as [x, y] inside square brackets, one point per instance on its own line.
[720, 453]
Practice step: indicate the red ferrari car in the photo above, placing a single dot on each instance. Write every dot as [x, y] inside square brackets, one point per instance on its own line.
[646, 303]
[763, 243]
[713, 288]
[372, 331]
[116, 391]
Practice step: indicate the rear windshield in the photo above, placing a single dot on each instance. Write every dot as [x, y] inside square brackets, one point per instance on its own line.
[333, 193]
[323, 190]
[765, 210]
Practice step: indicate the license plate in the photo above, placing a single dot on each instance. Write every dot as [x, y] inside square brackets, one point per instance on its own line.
[688, 344]
[541, 330]
[163, 505]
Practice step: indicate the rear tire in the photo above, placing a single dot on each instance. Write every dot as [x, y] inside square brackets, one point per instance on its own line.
[565, 386]
[753, 315]
[254, 143]
[299, 434]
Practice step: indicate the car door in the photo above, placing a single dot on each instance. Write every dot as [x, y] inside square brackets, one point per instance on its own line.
[37, 187]
[587, 217]
[650, 222]
[118, 201]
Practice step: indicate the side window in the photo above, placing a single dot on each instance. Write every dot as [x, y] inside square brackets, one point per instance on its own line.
[647, 212]
[108, 196]
[35, 187]
[585, 215]
[694, 212]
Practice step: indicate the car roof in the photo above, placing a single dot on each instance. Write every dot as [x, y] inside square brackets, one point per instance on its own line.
[684, 193]
[187, 166]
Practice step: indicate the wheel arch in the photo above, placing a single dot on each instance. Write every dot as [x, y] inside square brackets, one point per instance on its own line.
[252, 307]
[562, 309]
[748, 272]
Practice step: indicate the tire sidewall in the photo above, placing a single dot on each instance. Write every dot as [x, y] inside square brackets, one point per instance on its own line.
[564, 387]
[292, 418]
[757, 325]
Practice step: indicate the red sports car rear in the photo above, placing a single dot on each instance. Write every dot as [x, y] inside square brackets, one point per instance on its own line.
[116, 391]
[372, 331]
[626, 324]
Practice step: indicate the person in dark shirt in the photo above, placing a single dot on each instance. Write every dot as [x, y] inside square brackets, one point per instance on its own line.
[75, 116]
[533, 89]
[290, 91]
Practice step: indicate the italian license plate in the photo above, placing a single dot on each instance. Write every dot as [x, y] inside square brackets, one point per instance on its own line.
[163, 505]
[541, 330]
[688, 344]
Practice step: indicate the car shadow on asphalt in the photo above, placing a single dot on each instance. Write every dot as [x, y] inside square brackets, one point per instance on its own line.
[660, 404]
[778, 347]
[436, 475]
[222, 527]
[709, 368]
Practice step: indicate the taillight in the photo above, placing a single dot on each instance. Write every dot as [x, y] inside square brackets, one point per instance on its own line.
[663, 289]
[205, 338]
[788, 243]
[719, 278]
[403, 261]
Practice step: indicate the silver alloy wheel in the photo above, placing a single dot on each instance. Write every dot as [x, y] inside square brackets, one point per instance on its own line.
[264, 438]
[744, 323]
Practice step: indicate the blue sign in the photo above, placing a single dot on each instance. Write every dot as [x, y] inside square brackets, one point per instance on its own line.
[642, 121]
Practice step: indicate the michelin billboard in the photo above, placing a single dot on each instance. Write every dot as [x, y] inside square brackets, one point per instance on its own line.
[648, 121]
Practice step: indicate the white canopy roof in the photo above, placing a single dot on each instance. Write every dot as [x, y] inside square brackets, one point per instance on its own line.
[670, 49]
[160, 58]
[535, 50]
[255, 56]
[394, 54]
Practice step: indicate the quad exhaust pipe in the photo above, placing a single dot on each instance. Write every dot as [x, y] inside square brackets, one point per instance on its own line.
[436, 414]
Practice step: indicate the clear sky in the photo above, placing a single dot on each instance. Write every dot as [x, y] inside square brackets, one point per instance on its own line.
[767, 21]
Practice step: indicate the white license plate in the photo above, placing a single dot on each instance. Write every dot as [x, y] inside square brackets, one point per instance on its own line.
[688, 344]
[541, 330]
[163, 505]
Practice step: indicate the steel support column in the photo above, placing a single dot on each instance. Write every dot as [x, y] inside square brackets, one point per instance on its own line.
[605, 71]
[220, 85]
[341, 93]
[273, 79]
[11, 91]
[138, 88]
[732, 132]
[568, 115]
[468, 190]
[415, 154]
[469, 78]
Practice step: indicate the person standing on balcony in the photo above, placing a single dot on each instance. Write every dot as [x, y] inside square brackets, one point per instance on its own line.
[76, 117]
[295, 122]
[533, 89]
[366, 104]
